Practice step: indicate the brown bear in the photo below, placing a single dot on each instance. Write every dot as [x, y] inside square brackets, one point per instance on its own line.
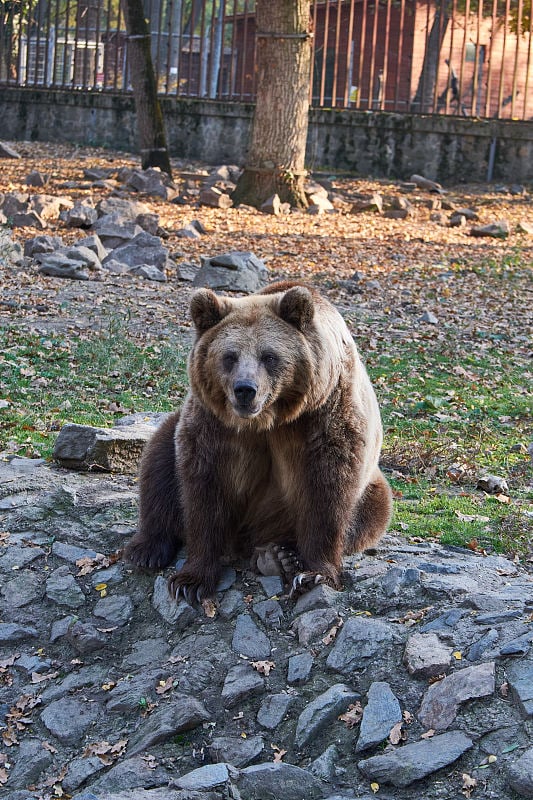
[277, 443]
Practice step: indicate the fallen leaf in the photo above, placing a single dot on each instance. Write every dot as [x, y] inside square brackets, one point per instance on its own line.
[164, 686]
[209, 607]
[332, 633]
[428, 734]
[469, 785]
[457, 655]
[397, 734]
[47, 746]
[353, 715]
[278, 753]
[37, 677]
[263, 667]
[408, 717]
[374, 787]
[8, 662]
[87, 565]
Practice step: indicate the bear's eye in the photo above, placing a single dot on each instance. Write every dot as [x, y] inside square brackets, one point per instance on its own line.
[270, 360]
[229, 360]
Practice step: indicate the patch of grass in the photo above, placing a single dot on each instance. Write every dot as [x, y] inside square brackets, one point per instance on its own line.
[49, 380]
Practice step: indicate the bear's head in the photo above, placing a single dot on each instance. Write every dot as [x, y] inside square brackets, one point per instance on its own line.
[252, 363]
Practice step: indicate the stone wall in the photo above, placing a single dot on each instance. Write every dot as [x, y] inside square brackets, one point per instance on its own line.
[448, 149]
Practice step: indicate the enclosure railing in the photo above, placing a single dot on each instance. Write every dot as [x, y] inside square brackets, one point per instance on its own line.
[472, 58]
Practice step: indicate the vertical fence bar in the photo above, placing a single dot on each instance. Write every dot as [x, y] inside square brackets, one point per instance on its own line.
[245, 52]
[488, 99]
[502, 71]
[371, 97]
[443, 22]
[399, 56]
[463, 56]
[48, 45]
[364, 20]
[337, 52]
[528, 64]
[233, 57]
[350, 54]
[516, 56]
[475, 79]
[386, 48]
[313, 52]
[324, 55]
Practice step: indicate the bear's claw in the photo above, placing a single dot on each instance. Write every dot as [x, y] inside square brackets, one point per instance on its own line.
[304, 582]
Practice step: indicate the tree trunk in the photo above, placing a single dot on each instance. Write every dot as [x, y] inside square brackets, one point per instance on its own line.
[276, 155]
[150, 125]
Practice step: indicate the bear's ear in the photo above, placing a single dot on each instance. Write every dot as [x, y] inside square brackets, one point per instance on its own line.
[297, 308]
[207, 309]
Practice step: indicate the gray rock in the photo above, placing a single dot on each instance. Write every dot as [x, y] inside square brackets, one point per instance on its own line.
[211, 196]
[517, 647]
[8, 152]
[323, 710]
[496, 230]
[441, 701]
[18, 557]
[30, 219]
[325, 766]
[114, 609]
[380, 714]
[207, 777]
[484, 643]
[31, 760]
[313, 624]
[143, 249]
[114, 233]
[22, 590]
[426, 656]
[248, 640]
[493, 484]
[322, 596]
[93, 243]
[231, 604]
[70, 552]
[10, 251]
[184, 714]
[81, 215]
[234, 272]
[520, 774]
[179, 614]
[412, 762]
[429, 317]
[129, 774]
[85, 638]
[59, 265]
[42, 244]
[85, 678]
[119, 449]
[62, 588]
[79, 770]
[148, 222]
[125, 209]
[520, 679]
[187, 271]
[235, 750]
[497, 617]
[145, 653]
[273, 709]
[68, 718]
[359, 640]
[87, 256]
[272, 585]
[127, 696]
[152, 181]
[149, 272]
[48, 206]
[299, 668]
[241, 683]
[263, 782]
[270, 612]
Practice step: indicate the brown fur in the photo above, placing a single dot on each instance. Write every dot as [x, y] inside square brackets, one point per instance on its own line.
[296, 464]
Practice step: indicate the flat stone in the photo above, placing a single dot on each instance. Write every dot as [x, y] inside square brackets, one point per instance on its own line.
[269, 612]
[114, 609]
[517, 647]
[68, 718]
[179, 614]
[85, 638]
[235, 750]
[42, 244]
[142, 249]
[358, 641]
[184, 714]
[206, 777]
[18, 557]
[145, 653]
[323, 710]
[62, 588]
[127, 695]
[59, 265]
[272, 585]
[520, 679]
[248, 640]
[496, 230]
[313, 624]
[79, 770]
[497, 617]
[380, 714]
[425, 656]
[231, 604]
[322, 596]
[129, 774]
[70, 552]
[441, 701]
[31, 760]
[273, 709]
[233, 272]
[299, 668]
[22, 590]
[481, 645]
[412, 762]
[8, 152]
[520, 774]
[325, 766]
[241, 683]
[119, 449]
[86, 677]
[263, 782]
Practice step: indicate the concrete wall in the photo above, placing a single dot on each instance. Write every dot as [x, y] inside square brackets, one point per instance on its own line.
[448, 149]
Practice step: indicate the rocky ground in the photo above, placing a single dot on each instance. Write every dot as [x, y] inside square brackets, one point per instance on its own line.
[416, 680]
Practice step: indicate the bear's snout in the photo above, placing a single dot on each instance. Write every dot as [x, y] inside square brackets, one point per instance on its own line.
[245, 392]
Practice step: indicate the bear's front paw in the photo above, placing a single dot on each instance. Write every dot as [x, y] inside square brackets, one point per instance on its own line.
[148, 554]
[193, 588]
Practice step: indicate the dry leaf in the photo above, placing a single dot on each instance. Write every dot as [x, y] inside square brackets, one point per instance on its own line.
[375, 787]
[469, 785]
[397, 734]
[108, 686]
[502, 498]
[278, 753]
[164, 686]
[8, 662]
[106, 752]
[209, 607]
[87, 565]
[47, 746]
[331, 634]
[428, 734]
[37, 677]
[263, 667]
[3, 775]
[504, 689]
[407, 717]
[353, 715]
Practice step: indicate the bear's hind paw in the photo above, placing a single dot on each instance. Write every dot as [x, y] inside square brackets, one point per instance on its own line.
[304, 582]
[188, 588]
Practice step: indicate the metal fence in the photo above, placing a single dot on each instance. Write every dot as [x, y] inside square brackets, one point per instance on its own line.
[468, 57]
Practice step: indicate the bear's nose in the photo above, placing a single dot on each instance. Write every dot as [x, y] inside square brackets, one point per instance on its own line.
[245, 391]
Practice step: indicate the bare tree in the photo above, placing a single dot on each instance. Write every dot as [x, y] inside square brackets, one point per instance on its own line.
[150, 126]
[276, 155]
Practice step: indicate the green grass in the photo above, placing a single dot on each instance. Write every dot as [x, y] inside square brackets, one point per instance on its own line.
[50, 380]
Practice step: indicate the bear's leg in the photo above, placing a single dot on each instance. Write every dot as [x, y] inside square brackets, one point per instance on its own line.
[372, 516]
[160, 514]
